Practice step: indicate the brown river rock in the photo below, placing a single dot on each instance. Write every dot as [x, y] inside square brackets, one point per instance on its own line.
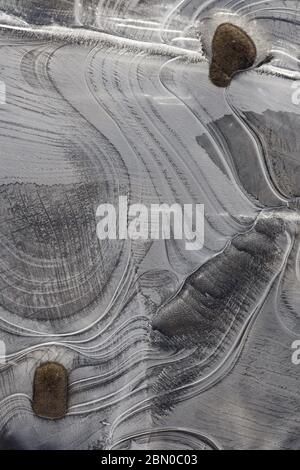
[50, 391]
[233, 50]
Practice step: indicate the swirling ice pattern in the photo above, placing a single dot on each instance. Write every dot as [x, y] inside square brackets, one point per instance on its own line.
[165, 348]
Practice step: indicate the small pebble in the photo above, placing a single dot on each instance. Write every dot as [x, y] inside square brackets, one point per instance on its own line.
[232, 51]
[50, 391]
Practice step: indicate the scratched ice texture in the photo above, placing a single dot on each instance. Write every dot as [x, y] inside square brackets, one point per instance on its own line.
[165, 348]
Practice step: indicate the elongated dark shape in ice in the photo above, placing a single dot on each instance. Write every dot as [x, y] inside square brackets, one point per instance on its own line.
[221, 294]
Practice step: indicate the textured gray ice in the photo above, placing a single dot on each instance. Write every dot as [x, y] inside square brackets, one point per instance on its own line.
[165, 348]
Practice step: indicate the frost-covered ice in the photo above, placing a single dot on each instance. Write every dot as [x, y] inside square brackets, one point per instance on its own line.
[165, 348]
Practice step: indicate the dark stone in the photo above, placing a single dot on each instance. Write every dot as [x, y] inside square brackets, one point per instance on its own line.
[233, 50]
[50, 391]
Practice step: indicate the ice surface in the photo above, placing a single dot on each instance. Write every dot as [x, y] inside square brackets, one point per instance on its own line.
[165, 348]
